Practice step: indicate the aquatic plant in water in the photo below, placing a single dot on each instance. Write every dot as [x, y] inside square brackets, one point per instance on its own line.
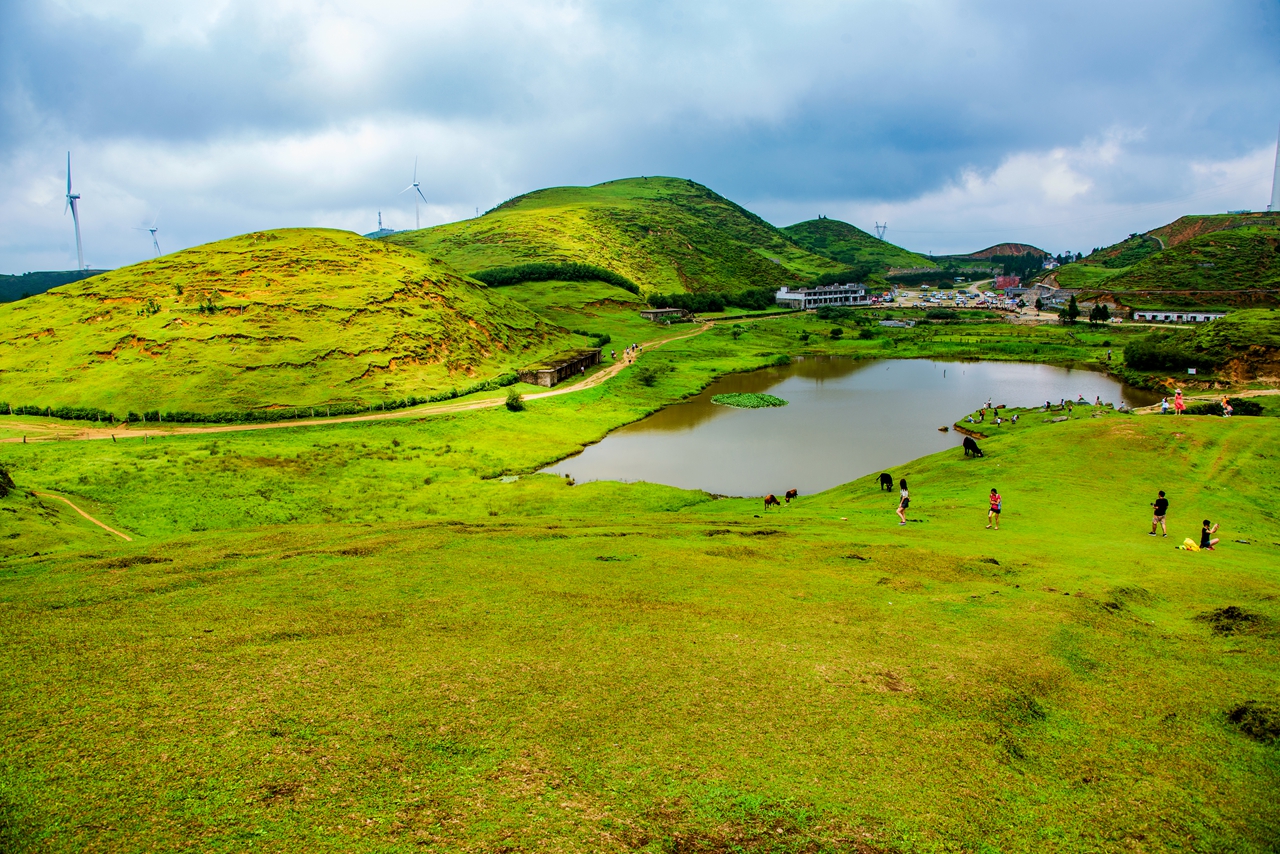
[748, 401]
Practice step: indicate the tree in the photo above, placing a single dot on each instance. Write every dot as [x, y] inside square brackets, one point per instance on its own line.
[1099, 314]
[1039, 304]
[514, 400]
[1073, 310]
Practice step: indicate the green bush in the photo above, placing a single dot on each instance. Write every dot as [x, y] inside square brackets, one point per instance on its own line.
[837, 333]
[1168, 351]
[941, 314]
[515, 402]
[1239, 406]
[498, 277]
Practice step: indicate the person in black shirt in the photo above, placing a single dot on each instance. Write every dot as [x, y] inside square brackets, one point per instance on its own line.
[1161, 506]
[1207, 538]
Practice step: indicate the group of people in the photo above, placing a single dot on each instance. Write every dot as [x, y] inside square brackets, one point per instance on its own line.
[996, 504]
[628, 355]
[1179, 404]
[1161, 508]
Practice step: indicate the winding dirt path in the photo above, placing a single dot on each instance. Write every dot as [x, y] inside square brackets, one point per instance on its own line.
[48, 433]
[84, 514]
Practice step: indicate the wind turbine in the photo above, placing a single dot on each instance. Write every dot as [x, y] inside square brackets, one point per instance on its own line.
[72, 198]
[151, 228]
[415, 186]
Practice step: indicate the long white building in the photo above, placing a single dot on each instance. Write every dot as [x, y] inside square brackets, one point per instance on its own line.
[1164, 315]
[820, 295]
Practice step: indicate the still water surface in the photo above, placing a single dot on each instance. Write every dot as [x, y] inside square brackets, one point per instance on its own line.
[845, 419]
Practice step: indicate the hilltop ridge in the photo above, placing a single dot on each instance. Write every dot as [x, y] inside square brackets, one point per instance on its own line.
[665, 234]
[850, 245]
[290, 317]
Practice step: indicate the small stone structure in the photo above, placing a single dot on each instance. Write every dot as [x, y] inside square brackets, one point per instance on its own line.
[660, 314]
[560, 367]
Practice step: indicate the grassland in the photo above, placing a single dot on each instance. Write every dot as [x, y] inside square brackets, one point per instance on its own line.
[852, 246]
[394, 636]
[295, 317]
[666, 234]
[1224, 261]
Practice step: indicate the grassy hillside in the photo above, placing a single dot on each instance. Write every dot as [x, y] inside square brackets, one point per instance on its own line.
[295, 317]
[1242, 347]
[1235, 267]
[357, 638]
[1197, 225]
[665, 234]
[1002, 250]
[851, 245]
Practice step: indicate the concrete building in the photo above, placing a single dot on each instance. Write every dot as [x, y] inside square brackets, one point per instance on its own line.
[1165, 315]
[560, 367]
[661, 314]
[820, 295]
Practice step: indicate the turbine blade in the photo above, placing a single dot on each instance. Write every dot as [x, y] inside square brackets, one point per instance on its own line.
[419, 189]
[407, 189]
[68, 173]
[415, 167]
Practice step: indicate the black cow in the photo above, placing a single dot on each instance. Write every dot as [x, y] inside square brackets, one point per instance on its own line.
[886, 482]
[971, 448]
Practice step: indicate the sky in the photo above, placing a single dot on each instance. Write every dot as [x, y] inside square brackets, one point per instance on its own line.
[1067, 125]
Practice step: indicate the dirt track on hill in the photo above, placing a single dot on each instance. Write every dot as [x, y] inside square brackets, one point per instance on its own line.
[51, 431]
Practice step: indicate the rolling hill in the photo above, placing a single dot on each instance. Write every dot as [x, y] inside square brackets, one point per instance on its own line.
[294, 317]
[665, 234]
[1233, 266]
[850, 245]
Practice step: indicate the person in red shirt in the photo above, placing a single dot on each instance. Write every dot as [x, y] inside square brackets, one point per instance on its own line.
[993, 514]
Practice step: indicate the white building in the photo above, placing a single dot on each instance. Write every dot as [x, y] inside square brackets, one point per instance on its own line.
[1164, 315]
[820, 295]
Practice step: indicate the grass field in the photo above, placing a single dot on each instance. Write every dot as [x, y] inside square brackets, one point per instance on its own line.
[295, 317]
[666, 234]
[392, 636]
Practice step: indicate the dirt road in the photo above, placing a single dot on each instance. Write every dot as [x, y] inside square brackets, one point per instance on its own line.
[46, 432]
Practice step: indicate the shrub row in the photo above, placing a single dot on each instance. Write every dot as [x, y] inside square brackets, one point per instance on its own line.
[1239, 406]
[1163, 351]
[752, 299]
[498, 277]
[258, 416]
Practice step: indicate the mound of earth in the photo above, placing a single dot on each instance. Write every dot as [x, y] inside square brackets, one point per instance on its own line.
[665, 234]
[294, 317]
[850, 245]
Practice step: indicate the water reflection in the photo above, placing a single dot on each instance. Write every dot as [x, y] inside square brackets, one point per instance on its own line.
[846, 419]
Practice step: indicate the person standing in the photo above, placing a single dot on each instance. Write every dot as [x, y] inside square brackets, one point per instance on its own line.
[1161, 507]
[904, 501]
[1179, 405]
[993, 513]
[1207, 538]
[1164, 406]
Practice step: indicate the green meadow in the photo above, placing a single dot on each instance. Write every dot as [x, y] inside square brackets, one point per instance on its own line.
[395, 635]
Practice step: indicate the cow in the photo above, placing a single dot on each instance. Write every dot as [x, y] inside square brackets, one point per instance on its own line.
[771, 500]
[971, 448]
[886, 482]
[791, 493]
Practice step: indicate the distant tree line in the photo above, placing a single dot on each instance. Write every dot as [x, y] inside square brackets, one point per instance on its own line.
[545, 271]
[256, 416]
[1168, 351]
[752, 299]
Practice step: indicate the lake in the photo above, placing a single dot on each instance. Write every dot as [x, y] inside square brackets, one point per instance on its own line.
[845, 419]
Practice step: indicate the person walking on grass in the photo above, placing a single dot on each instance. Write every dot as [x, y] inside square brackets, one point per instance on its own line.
[1179, 405]
[1207, 538]
[993, 513]
[904, 501]
[1161, 507]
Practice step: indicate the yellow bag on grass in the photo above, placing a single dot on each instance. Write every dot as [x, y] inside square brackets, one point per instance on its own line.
[1190, 545]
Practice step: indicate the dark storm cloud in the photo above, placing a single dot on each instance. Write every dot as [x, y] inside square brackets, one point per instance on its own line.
[762, 101]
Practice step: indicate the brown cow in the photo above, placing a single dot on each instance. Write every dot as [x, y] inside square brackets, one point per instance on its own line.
[771, 500]
[791, 493]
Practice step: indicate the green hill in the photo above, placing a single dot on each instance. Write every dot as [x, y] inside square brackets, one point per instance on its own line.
[851, 245]
[665, 234]
[1239, 266]
[295, 317]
